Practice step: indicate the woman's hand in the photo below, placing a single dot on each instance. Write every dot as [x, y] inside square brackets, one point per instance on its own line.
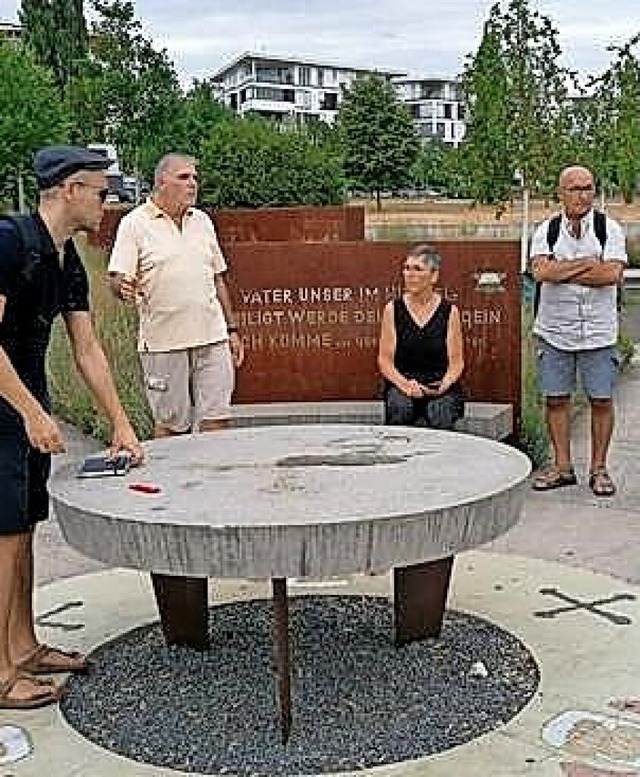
[411, 388]
[432, 389]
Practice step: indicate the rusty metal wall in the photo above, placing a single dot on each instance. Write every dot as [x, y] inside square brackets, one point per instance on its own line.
[312, 225]
[309, 314]
[265, 224]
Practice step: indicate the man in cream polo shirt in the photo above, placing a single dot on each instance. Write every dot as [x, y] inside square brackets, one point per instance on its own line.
[167, 260]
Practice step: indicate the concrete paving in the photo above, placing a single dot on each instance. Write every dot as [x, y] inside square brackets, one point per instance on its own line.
[572, 554]
[573, 526]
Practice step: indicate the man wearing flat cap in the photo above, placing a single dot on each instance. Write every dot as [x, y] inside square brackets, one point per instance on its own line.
[34, 288]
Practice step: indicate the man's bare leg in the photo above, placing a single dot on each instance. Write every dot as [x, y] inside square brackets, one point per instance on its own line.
[24, 689]
[22, 635]
[9, 549]
[559, 426]
[602, 418]
[23, 642]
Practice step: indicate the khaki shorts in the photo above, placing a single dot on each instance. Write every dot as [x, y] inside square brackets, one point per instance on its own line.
[189, 386]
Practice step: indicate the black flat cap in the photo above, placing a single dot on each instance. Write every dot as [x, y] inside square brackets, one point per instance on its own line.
[55, 163]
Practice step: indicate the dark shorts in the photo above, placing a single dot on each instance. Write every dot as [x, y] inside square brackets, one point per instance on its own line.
[24, 471]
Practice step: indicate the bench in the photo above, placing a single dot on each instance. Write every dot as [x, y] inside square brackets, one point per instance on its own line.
[485, 419]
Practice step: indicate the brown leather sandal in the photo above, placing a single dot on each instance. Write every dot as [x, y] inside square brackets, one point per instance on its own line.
[45, 694]
[42, 661]
[554, 478]
[601, 484]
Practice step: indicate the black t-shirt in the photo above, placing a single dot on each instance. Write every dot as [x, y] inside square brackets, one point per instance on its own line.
[36, 289]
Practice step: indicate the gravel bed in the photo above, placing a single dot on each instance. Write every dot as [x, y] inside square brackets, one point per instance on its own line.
[357, 700]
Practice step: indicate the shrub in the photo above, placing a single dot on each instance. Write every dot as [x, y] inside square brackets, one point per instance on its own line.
[633, 252]
[534, 440]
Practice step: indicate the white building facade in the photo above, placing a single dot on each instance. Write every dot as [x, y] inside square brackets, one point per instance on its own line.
[299, 91]
[287, 89]
[436, 107]
[10, 32]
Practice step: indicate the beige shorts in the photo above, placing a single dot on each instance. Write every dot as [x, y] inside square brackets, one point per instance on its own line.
[189, 386]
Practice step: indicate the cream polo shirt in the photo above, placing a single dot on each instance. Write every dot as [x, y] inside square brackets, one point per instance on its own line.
[178, 306]
[572, 317]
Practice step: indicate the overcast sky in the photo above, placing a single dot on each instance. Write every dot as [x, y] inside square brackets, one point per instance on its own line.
[420, 37]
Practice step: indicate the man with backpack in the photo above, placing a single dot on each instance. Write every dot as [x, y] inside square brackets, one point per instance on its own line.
[41, 276]
[578, 259]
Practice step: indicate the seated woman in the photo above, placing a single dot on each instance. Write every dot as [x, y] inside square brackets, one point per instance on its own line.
[420, 352]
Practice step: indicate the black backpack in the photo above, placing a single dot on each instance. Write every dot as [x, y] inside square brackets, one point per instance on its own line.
[553, 233]
[30, 241]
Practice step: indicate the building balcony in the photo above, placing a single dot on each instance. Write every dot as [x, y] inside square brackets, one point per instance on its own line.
[268, 106]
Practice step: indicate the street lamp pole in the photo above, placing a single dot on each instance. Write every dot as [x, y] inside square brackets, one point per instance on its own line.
[524, 236]
[22, 208]
[519, 178]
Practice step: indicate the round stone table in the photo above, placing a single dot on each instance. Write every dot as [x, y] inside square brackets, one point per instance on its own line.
[297, 501]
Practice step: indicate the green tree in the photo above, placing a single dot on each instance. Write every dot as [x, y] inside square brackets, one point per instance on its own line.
[538, 96]
[322, 134]
[441, 165]
[248, 163]
[379, 141]
[485, 148]
[128, 92]
[616, 118]
[590, 140]
[56, 32]
[199, 113]
[531, 90]
[31, 115]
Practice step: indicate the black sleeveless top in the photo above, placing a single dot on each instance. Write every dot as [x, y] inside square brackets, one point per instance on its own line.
[421, 351]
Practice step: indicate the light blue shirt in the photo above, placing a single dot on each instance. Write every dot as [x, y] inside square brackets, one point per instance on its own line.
[570, 316]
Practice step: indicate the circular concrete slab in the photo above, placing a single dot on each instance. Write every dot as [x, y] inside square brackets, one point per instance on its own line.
[290, 501]
[582, 628]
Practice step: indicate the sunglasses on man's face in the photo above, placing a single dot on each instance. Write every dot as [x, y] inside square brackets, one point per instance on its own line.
[102, 192]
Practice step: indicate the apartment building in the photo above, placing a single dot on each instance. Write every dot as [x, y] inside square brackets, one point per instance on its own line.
[285, 89]
[436, 107]
[10, 31]
[300, 90]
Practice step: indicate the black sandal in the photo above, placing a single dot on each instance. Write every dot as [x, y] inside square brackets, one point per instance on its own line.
[601, 484]
[554, 478]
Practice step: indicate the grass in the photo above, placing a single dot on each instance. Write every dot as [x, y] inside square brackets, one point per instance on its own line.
[116, 327]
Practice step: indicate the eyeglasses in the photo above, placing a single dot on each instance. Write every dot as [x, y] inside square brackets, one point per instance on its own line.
[187, 177]
[587, 189]
[415, 268]
[99, 190]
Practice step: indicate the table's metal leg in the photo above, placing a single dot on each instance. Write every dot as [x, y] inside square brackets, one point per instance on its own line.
[281, 653]
[419, 597]
[183, 608]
